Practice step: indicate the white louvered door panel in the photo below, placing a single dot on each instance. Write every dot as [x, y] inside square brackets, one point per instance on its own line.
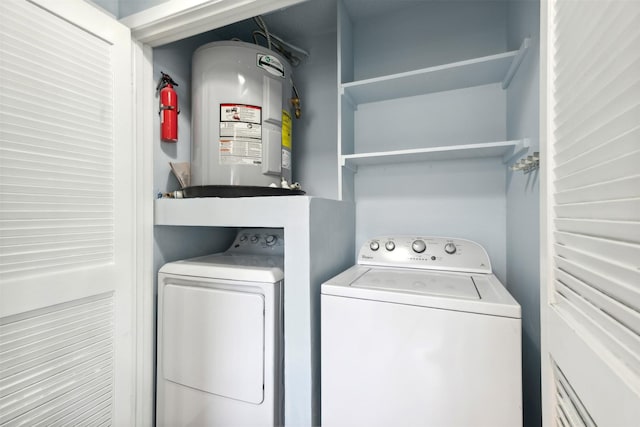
[66, 216]
[590, 297]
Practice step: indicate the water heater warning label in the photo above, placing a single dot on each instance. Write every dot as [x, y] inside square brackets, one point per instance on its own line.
[240, 134]
[240, 113]
[240, 152]
[286, 129]
[240, 130]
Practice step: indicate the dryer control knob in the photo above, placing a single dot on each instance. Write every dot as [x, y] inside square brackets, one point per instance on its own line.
[374, 246]
[450, 248]
[418, 246]
[390, 245]
[271, 240]
[255, 238]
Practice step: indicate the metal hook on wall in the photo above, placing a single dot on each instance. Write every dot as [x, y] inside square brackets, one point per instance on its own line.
[527, 164]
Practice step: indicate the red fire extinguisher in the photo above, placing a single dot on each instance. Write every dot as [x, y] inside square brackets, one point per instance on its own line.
[168, 108]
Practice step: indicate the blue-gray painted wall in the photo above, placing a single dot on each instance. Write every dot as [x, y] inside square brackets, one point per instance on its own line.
[419, 34]
[463, 198]
[314, 135]
[523, 204]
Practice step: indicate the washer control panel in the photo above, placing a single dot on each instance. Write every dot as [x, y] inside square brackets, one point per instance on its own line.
[425, 252]
[259, 241]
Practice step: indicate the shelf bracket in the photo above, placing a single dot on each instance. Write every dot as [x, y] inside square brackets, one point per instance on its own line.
[519, 148]
[515, 64]
[347, 165]
[348, 99]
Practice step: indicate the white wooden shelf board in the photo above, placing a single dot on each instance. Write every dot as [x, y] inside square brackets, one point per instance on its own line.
[504, 149]
[457, 75]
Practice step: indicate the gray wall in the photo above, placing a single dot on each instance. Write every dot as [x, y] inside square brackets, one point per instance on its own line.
[422, 34]
[523, 206]
[314, 135]
[464, 198]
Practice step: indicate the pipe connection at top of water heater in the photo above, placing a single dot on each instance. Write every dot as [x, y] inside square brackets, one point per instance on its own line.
[295, 101]
[287, 50]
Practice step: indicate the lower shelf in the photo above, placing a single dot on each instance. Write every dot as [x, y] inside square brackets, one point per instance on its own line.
[504, 149]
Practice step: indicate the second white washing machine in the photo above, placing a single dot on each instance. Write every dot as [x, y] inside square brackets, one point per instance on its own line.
[420, 333]
[220, 345]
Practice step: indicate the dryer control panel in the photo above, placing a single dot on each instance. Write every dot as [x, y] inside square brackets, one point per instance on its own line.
[425, 252]
[259, 241]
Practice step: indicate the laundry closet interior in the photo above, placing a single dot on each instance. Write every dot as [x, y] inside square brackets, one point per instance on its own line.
[413, 113]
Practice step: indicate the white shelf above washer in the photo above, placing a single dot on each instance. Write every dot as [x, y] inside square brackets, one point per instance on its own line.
[504, 149]
[457, 75]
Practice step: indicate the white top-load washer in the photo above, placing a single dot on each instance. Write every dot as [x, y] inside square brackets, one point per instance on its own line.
[420, 333]
[219, 347]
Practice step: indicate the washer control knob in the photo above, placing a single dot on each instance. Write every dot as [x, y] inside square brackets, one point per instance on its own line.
[255, 238]
[418, 246]
[374, 245]
[390, 245]
[271, 239]
[450, 248]
[243, 238]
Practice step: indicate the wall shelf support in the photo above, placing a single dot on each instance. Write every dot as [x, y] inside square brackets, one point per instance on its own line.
[515, 64]
[521, 146]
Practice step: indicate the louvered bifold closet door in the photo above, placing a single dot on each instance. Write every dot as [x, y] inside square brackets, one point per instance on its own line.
[66, 216]
[593, 319]
[57, 158]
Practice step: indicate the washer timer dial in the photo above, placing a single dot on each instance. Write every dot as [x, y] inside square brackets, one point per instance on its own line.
[418, 246]
[450, 248]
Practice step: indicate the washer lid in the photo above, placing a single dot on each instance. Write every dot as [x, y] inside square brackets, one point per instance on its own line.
[464, 292]
[417, 282]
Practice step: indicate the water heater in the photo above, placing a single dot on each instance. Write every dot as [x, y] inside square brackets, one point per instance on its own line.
[241, 119]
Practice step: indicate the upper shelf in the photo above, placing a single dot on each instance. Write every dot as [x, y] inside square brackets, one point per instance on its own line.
[473, 72]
